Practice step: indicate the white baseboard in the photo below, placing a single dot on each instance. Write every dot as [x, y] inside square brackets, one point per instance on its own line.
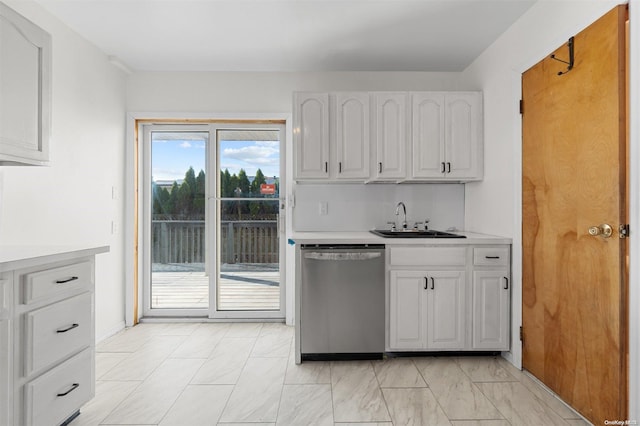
[110, 332]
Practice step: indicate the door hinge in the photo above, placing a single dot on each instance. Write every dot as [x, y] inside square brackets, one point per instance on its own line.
[521, 335]
[623, 231]
[521, 106]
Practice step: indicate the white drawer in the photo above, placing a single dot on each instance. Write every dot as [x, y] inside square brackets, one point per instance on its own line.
[56, 331]
[53, 397]
[490, 256]
[43, 284]
[428, 256]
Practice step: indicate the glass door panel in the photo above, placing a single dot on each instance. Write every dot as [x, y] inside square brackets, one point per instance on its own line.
[179, 278]
[248, 188]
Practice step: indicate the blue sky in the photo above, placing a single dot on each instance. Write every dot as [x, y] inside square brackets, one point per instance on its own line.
[171, 157]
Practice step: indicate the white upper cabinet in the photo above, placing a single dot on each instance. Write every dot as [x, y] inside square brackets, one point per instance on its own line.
[390, 135]
[311, 135]
[25, 90]
[377, 136]
[352, 141]
[463, 127]
[428, 135]
[447, 136]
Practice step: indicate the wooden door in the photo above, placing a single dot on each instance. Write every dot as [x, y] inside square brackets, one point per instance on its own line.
[574, 177]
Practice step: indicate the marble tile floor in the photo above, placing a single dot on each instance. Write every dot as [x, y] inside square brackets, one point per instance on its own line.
[244, 374]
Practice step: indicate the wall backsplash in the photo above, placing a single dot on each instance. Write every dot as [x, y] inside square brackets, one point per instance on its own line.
[358, 207]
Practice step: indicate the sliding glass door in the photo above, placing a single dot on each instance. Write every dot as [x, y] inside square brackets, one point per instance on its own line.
[212, 242]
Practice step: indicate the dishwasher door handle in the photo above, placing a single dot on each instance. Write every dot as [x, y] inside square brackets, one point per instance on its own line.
[348, 256]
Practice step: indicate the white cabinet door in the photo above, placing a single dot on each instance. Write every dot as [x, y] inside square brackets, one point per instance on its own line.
[427, 136]
[447, 135]
[445, 310]
[407, 321]
[491, 290]
[390, 135]
[352, 129]
[463, 135]
[6, 355]
[311, 135]
[25, 90]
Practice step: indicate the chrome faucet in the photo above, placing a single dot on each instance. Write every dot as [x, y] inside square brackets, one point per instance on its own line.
[404, 210]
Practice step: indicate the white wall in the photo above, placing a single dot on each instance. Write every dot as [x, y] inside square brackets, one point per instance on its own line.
[70, 202]
[260, 92]
[494, 205]
[363, 207]
[245, 95]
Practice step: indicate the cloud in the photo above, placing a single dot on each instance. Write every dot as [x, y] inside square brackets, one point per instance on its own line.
[254, 153]
[185, 144]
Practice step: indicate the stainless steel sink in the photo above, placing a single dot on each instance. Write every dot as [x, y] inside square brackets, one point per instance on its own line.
[414, 233]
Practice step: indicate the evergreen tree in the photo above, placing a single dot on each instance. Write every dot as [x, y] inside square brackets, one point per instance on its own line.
[257, 181]
[172, 203]
[184, 201]
[199, 200]
[243, 183]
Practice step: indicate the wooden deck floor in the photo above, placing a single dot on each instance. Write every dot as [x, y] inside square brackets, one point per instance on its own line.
[242, 291]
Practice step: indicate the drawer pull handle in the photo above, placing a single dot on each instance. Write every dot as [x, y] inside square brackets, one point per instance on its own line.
[379, 167]
[67, 280]
[506, 283]
[448, 167]
[433, 283]
[492, 257]
[443, 167]
[426, 283]
[73, 387]
[71, 327]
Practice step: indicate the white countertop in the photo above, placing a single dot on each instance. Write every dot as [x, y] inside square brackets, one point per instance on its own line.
[366, 237]
[15, 256]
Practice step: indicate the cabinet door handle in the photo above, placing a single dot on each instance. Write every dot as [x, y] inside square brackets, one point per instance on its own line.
[492, 257]
[448, 167]
[380, 167]
[506, 283]
[426, 283]
[71, 327]
[433, 281]
[67, 280]
[326, 167]
[443, 167]
[340, 167]
[71, 389]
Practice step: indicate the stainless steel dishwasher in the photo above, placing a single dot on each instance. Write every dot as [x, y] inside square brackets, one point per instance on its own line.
[342, 301]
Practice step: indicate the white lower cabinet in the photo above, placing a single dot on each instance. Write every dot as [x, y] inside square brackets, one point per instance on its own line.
[491, 291]
[47, 336]
[448, 298]
[427, 310]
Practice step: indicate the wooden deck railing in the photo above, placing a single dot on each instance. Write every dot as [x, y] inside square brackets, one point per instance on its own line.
[245, 241]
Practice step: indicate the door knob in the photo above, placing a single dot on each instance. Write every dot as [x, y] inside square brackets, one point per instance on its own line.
[605, 230]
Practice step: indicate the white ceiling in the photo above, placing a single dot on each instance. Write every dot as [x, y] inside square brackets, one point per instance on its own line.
[291, 35]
